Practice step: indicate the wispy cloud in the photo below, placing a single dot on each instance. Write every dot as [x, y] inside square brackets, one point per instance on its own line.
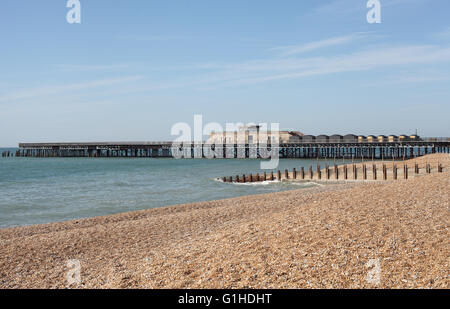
[350, 6]
[236, 74]
[214, 75]
[340, 7]
[303, 48]
[411, 77]
[58, 89]
[366, 60]
[444, 34]
[135, 37]
[164, 37]
[82, 68]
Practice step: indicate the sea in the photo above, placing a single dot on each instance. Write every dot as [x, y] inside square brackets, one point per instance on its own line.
[44, 190]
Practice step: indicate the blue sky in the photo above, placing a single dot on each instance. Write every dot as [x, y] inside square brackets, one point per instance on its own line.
[132, 69]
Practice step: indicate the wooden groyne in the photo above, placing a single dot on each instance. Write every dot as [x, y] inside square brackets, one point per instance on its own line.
[352, 172]
[328, 149]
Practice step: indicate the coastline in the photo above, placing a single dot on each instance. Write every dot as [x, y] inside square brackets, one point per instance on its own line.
[308, 238]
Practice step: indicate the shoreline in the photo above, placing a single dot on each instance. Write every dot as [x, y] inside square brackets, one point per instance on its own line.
[308, 238]
[163, 210]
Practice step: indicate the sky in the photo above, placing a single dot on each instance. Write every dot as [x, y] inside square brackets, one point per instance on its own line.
[132, 69]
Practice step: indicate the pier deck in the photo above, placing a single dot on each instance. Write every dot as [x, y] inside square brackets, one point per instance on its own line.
[376, 150]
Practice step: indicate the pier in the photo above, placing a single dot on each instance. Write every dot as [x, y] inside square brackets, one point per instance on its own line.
[7, 154]
[297, 150]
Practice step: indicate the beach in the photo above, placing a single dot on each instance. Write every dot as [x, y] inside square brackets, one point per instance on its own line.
[391, 234]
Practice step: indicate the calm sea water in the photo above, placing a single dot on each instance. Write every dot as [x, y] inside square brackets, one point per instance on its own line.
[44, 190]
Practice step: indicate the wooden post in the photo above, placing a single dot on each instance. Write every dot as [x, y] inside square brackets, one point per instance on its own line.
[374, 167]
[310, 172]
[237, 178]
[231, 178]
[384, 172]
[319, 172]
[355, 172]
[327, 170]
[364, 172]
[405, 174]
[416, 168]
[302, 172]
[345, 172]
[439, 168]
[428, 168]
[394, 171]
[286, 174]
[336, 172]
[271, 176]
[257, 177]
[294, 173]
[265, 176]
[279, 175]
[243, 178]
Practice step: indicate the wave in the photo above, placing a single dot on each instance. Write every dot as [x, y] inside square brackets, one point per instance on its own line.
[273, 182]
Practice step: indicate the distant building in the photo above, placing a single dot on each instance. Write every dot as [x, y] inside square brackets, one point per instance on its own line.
[403, 138]
[322, 138]
[362, 139]
[408, 138]
[350, 138]
[309, 139]
[371, 139]
[254, 135]
[382, 138]
[392, 138]
[336, 138]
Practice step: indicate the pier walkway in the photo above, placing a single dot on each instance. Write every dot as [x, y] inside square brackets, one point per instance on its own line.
[339, 150]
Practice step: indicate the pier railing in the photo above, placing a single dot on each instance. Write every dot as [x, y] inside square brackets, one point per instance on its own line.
[328, 149]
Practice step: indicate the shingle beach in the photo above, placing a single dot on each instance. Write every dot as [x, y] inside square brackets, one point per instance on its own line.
[392, 234]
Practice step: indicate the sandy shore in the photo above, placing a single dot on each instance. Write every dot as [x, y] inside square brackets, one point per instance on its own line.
[392, 234]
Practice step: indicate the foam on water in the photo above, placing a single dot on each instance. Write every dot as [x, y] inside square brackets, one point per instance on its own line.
[258, 183]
